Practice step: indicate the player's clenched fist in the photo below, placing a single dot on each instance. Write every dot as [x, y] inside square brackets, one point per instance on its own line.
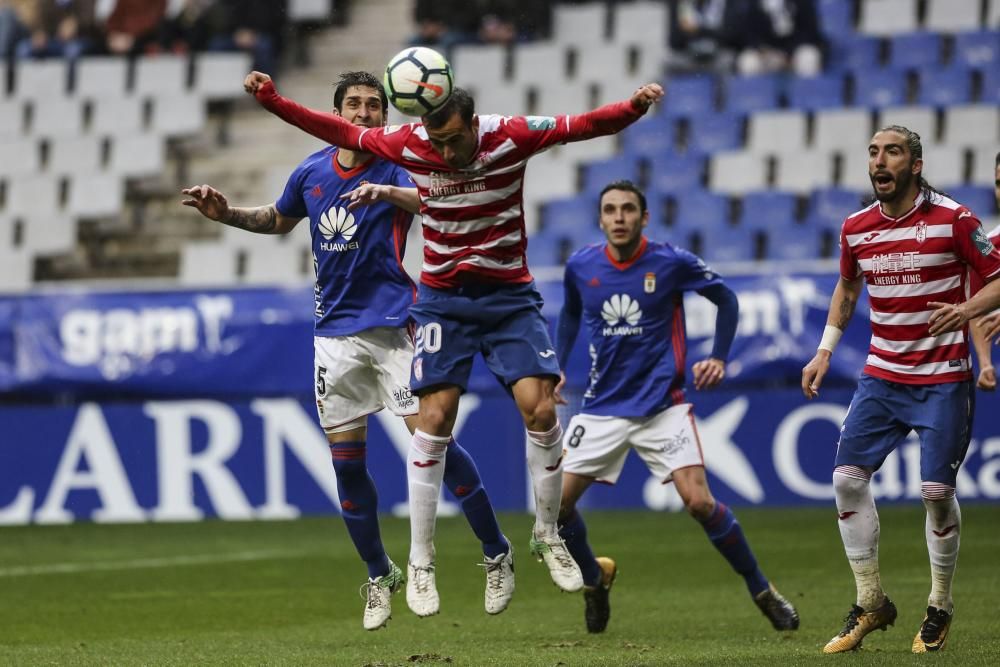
[645, 96]
[254, 81]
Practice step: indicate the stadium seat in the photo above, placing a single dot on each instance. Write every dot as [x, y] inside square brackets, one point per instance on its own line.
[879, 88]
[56, 117]
[701, 210]
[984, 164]
[507, 99]
[768, 208]
[47, 234]
[549, 175]
[598, 174]
[922, 120]
[643, 25]
[689, 95]
[978, 199]
[161, 75]
[11, 118]
[829, 206]
[95, 195]
[737, 172]
[482, 63]
[72, 155]
[581, 24]
[817, 92]
[540, 63]
[592, 149]
[853, 173]
[714, 132]
[838, 129]
[309, 11]
[776, 131]
[204, 264]
[993, 14]
[116, 115]
[649, 137]
[220, 75]
[21, 156]
[803, 171]
[3, 80]
[41, 79]
[568, 215]
[602, 62]
[278, 263]
[752, 93]
[836, 18]
[792, 242]
[855, 53]
[977, 50]
[674, 174]
[177, 114]
[952, 15]
[32, 195]
[137, 155]
[732, 243]
[945, 87]
[990, 92]
[915, 50]
[545, 249]
[971, 125]
[888, 17]
[18, 269]
[101, 77]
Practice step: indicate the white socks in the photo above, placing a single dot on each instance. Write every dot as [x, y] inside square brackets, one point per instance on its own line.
[859, 530]
[545, 467]
[424, 474]
[943, 529]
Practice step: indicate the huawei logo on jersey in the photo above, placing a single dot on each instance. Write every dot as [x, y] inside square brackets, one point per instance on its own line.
[621, 308]
[338, 222]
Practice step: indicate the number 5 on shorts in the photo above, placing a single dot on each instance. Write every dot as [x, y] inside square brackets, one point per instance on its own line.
[428, 339]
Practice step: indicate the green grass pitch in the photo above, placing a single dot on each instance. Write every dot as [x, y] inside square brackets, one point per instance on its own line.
[286, 593]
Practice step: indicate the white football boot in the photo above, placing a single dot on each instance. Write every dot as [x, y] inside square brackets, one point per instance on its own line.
[421, 590]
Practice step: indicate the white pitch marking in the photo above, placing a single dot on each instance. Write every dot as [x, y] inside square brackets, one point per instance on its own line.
[140, 563]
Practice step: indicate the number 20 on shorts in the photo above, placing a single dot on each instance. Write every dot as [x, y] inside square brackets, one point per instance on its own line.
[428, 338]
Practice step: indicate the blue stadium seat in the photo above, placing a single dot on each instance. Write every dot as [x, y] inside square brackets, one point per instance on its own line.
[816, 92]
[945, 87]
[670, 174]
[601, 172]
[915, 50]
[793, 242]
[978, 50]
[879, 88]
[829, 207]
[564, 216]
[649, 138]
[689, 95]
[732, 243]
[836, 19]
[701, 210]
[711, 133]
[978, 199]
[990, 91]
[859, 52]
[752, 93]
[544, 249]
[768, 208]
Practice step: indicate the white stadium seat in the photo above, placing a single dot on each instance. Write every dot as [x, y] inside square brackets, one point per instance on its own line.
[888, 17]
[480, 64]
[56, 117]
[842, 129]
[95, 195]
[275, 263]
[540, 63]
[11, 118]
[17, 268]
[641, 22]
[972, 125]
[548, 176]
[580, 24]
[21, 156]
[47, 234]
[993, 15]
[116, 115]
[73, 155]
[206, 264]
[854, 169]
[160, 75]
[33, 195]
[922, 120]
[804, 171]
[220, 75]
[952, 15]
[601, 63]
[40, 79]
[178, 114]
[983, 164]
[509, 99]
[776, 131]
[586, 151]
[309, 10]
[737, 172]
[101, 76]
[137, 155]
[570, 98]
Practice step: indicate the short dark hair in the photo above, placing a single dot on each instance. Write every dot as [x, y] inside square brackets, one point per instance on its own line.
[366, 79]
[627, 186]
[460, 102]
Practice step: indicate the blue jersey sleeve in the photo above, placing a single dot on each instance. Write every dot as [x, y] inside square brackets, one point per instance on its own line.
[693, 274]
[402, 179]
[292, 203]
[569, 319]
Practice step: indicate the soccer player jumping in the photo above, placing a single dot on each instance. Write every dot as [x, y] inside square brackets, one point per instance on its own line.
[914, 247]
[628, 293]
[476, 295]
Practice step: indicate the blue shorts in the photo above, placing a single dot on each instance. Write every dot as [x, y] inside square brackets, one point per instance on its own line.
[504, 323]
[883, 413]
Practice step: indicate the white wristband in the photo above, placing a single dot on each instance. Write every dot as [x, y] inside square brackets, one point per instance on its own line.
[831, 336]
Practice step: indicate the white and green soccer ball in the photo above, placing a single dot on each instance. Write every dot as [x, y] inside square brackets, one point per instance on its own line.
[418, 80]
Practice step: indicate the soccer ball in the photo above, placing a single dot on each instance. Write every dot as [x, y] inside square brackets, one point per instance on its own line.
[418, 80]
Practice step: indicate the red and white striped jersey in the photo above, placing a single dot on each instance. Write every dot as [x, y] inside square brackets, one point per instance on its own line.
[924, 255]
[473, 218]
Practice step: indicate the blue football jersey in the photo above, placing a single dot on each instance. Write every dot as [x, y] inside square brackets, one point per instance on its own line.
[633, 314]
[357, 255]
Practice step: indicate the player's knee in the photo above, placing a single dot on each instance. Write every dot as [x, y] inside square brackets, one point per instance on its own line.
[939, 500]
[541, 416]
[700, 507]
[435, 420]
[850, 481]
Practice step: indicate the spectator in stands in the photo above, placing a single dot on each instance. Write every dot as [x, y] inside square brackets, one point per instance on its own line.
[697, 38]
[253, 26]
[445, 24]
[60, 28]
[775, 35]
[134, 26]
[190, 26]
[15, 16]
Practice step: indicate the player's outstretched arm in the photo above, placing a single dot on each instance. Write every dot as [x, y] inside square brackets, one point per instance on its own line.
[842, 305]
[953, 316]
[329, 127]
[407, 199]
[610, 118]
[213, 205]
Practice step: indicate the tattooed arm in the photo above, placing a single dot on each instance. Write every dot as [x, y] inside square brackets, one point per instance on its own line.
[261, 219]
[842, 305]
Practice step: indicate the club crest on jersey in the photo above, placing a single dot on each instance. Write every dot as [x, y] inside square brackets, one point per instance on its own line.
[618, 309]
[649, 284]
[418, 369]
[338, 222]
[921, 231]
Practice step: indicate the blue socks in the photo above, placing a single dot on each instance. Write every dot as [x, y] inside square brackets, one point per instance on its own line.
[462, 478]
[574, 532]
[359, 505]
[726, 534]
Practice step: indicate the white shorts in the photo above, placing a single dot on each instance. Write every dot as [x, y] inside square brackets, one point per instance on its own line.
[360, 374]
[597, 446]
